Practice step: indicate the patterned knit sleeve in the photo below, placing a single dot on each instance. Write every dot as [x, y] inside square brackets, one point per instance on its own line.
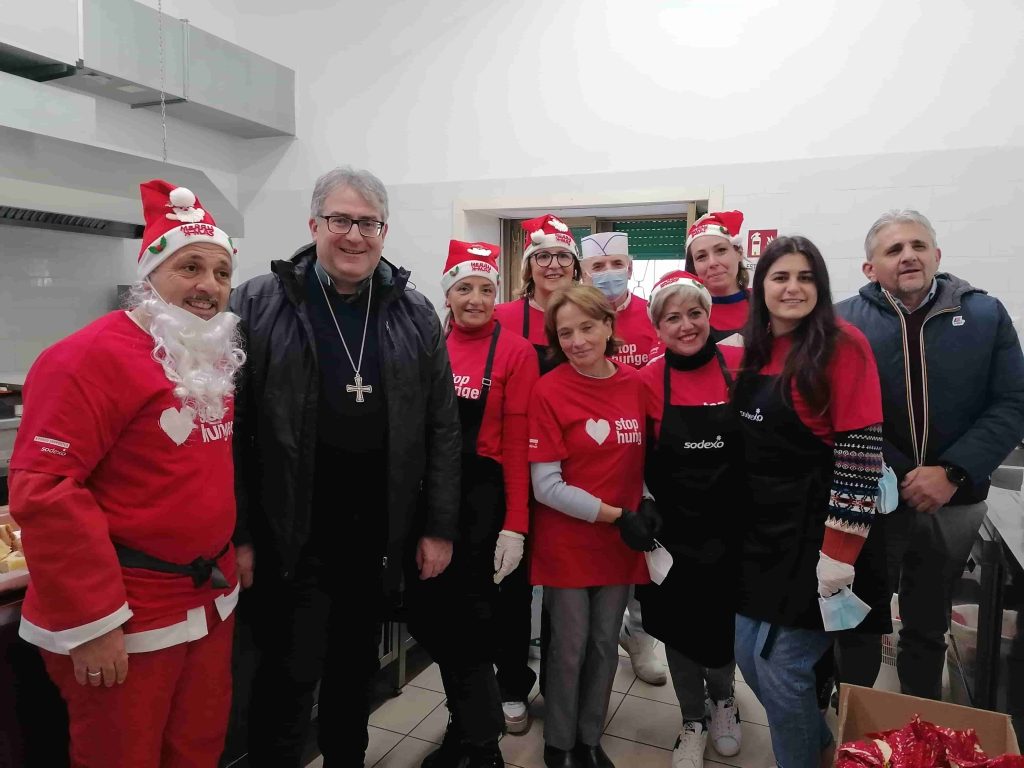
[857, 459]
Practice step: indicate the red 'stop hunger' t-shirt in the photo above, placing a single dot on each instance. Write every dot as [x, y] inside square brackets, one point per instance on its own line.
[595, 428]
[728, 314]
[856, 396]
[503, 432]
[510, 315]
[639, 338]
[121, 461]
[702, 386]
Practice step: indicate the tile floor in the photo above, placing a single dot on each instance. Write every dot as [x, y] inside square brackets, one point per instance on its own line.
[643, 722]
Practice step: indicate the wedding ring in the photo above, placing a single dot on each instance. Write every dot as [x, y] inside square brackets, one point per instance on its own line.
[94, 674]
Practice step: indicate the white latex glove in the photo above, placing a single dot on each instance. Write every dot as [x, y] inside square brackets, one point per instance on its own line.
[833, 575]
[508, 554]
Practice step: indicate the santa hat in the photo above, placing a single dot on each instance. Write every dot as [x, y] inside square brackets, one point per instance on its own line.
[604, 244]
[470, 260]
[547, 231]
[677, 277]
[174, 219]
[719, 224]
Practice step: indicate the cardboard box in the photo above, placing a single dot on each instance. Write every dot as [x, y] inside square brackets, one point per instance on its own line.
[868, 710]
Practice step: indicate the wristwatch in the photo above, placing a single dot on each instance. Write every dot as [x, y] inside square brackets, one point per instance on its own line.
[955, 475]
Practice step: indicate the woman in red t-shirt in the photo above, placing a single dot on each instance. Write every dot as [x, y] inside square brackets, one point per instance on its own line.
[453, 615]
[715, 255]
[586, 465]
[695, 471]
[550, 263]
[810, 408]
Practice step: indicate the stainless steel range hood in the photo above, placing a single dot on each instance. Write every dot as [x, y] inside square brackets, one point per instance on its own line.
[64, 185]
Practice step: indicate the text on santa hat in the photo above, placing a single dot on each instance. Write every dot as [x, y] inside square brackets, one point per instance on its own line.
[194, 230]
[215, 432]
[563, 238]
[627, 432]
[481, 266]
[463, 389]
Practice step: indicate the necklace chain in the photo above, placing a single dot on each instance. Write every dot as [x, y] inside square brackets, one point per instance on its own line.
[366, 323]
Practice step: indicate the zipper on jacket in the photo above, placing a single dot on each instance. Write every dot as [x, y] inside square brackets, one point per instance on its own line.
[924, 380]
[906, 373]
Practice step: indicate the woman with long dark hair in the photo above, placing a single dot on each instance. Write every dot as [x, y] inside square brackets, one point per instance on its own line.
[810, 411]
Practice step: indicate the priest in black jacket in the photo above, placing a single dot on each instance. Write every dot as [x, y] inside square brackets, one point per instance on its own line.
[347, 464]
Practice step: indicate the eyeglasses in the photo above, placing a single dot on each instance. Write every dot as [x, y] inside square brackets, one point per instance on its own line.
[543, 258]
[342, 225]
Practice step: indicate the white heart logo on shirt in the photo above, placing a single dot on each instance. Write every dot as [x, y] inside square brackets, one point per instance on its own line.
[598, 430]
[178, 424]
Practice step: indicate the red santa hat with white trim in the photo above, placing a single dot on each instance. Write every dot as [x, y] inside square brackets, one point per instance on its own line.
[174, 218]
[548, 231]
[470, 260]
[718, 224]
[678, 277]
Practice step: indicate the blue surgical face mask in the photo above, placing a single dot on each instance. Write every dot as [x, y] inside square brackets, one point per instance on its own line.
[888, 491]
[844, 610]
[613, 283]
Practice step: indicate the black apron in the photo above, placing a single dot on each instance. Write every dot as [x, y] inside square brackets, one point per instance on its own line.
[452, 615]
[546, 363]
[694, 472]
[482, 512]
[789, 472]
[717, 335]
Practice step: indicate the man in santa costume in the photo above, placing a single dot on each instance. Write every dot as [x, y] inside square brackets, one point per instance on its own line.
[122, 482]
[608, 266]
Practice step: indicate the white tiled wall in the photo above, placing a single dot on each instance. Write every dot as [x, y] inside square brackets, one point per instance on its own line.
[52, 283]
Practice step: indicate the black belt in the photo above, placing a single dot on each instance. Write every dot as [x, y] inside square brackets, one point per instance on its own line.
[201, 570]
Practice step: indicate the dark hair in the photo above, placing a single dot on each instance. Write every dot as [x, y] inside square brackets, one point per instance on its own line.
[814, 340]
[592, 303]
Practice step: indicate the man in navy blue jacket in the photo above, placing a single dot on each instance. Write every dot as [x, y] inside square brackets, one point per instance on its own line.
[952, 377]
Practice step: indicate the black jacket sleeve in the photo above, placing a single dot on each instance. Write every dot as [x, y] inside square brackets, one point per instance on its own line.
[244, 435]
[1001, 426]
[444, 442]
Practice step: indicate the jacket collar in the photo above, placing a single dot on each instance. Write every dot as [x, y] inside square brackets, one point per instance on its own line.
[949, 293]
[293, 272]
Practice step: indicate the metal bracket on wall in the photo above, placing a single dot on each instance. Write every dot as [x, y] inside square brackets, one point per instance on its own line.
[142, 104]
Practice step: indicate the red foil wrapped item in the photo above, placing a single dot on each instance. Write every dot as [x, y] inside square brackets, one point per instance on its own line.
[920, 744]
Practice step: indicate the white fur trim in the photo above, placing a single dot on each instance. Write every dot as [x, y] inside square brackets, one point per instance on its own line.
[63, 641]
[541, 240]
[181, 236]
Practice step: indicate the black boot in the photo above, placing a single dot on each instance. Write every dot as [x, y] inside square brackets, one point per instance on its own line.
[559, 758]
[488, 756]
[592, 757]
[450, 753]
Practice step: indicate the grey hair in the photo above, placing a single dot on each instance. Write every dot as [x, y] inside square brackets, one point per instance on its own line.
[897, 216]
[684, 293]
[368, 186]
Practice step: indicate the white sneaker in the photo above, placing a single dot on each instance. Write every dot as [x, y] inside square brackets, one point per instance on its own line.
[689, 749]
[517, 717]
[726, 734]
[646, 665]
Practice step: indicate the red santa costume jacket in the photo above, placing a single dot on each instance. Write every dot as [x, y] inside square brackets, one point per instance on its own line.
[105, 453]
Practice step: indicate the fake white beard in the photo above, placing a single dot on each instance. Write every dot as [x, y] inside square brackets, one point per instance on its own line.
[200, 357]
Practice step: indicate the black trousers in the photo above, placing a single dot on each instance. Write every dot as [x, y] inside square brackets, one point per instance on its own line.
[453, 617]
[926, 554]
[323, 626]
[513, 630]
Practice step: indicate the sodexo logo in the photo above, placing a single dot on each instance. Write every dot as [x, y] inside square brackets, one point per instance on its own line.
[755, 416]
[706, 445]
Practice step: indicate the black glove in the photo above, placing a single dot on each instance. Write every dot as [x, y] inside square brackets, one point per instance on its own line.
[635, 531]
[649, 511]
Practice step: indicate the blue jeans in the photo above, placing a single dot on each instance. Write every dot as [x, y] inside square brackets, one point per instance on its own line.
[784, 684]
